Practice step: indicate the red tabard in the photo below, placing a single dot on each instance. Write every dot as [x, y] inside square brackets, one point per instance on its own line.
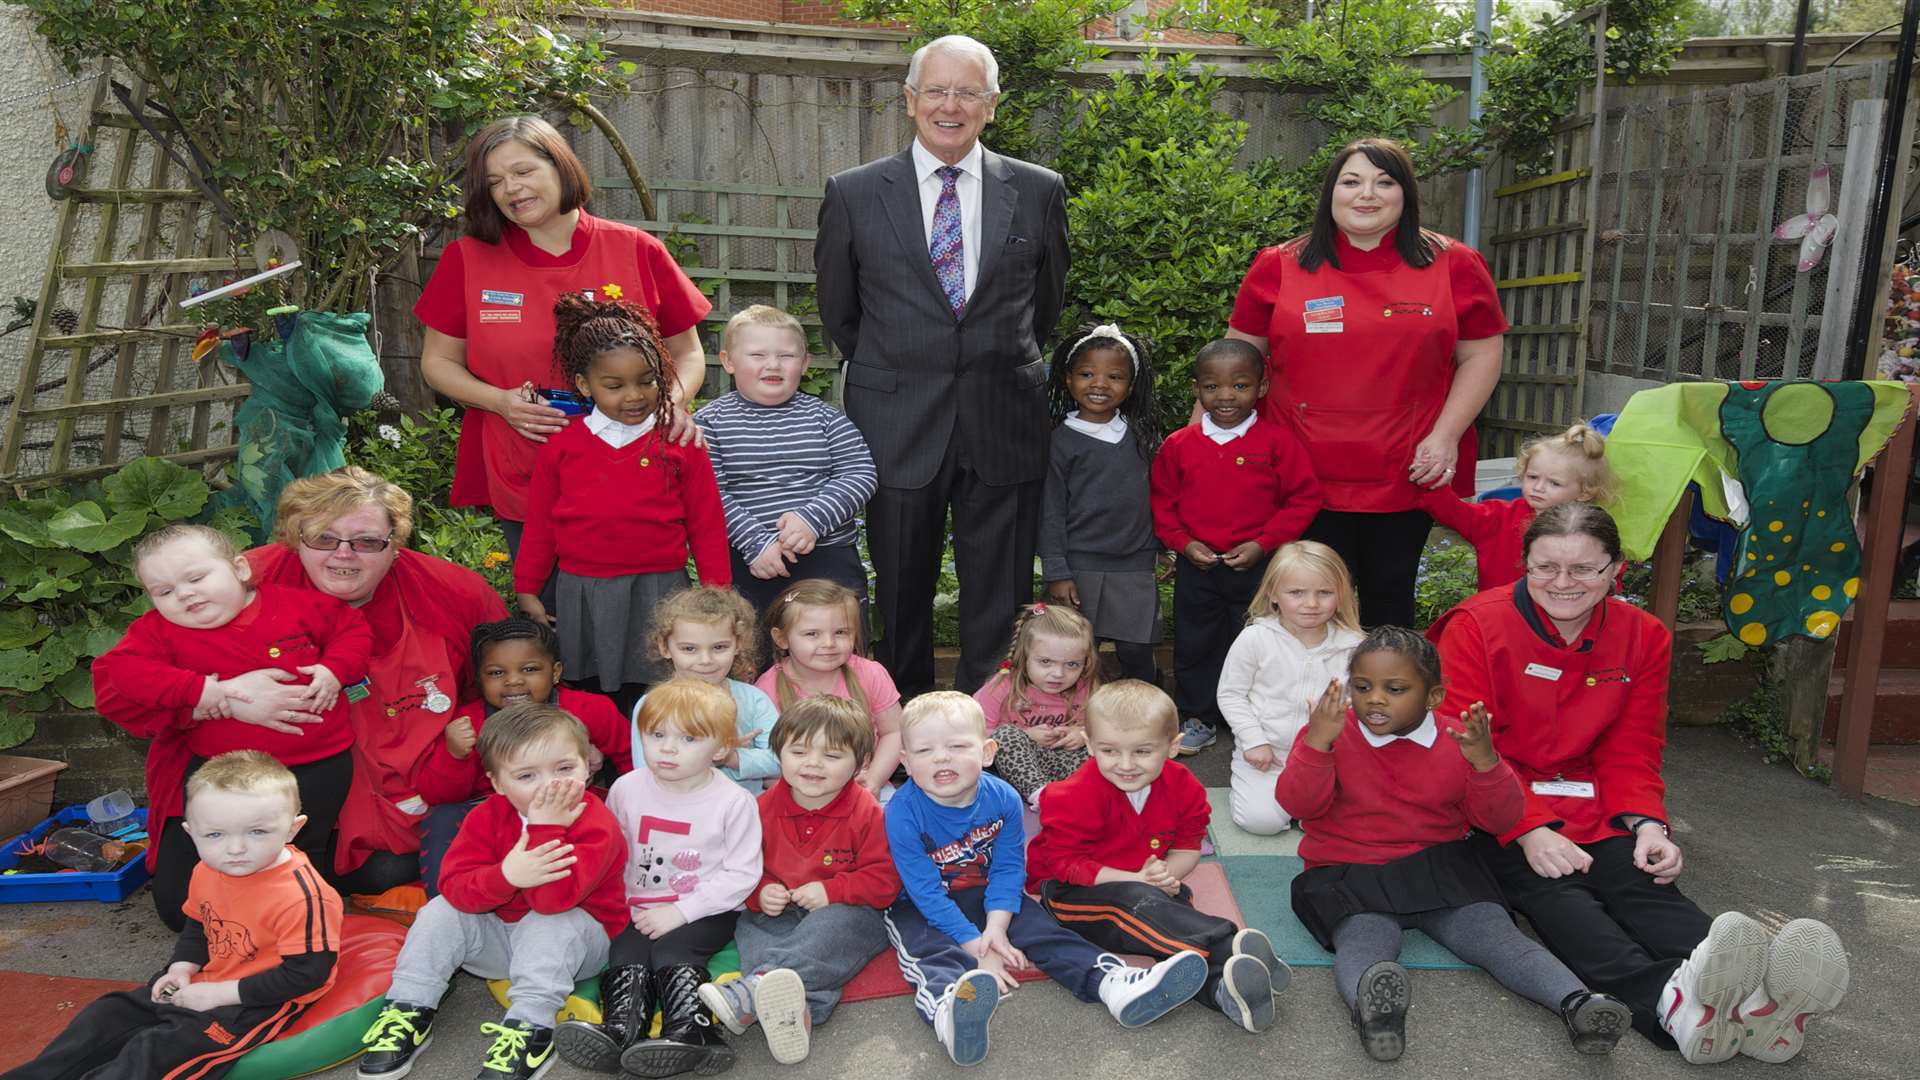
[1361, 358]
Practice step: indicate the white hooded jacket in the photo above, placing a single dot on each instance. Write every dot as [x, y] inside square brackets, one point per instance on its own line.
[1270, 681]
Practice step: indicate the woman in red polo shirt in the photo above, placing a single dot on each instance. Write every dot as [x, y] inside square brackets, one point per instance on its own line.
[1383, 341]
[488, 309]
[1576, 682]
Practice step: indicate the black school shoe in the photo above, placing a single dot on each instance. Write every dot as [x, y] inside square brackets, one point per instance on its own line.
[1595, 1022]
[520, 1051]
[398, 1033]
[1380, 1010]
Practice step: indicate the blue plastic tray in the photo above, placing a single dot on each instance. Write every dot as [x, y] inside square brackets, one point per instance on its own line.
[46, 888]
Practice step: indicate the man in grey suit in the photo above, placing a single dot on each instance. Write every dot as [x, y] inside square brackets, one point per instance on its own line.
[940, 270]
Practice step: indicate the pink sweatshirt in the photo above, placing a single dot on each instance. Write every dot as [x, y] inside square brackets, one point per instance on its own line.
[1043, 709]
[699, 850]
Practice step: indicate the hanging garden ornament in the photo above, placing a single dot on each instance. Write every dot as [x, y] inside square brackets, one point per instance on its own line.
[1815, 228]
[67, 169]
[273, 249]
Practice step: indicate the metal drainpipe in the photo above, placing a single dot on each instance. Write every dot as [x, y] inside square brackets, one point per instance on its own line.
[1476, 90]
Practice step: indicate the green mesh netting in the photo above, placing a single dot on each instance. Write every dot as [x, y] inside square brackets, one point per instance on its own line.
[306, 379]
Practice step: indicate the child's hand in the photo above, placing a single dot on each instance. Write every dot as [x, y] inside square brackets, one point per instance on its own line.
[1044, 736]
[202, 996]
[216, 700]
[1262, 757]
[1476, 741]
[1200, 554]
[996, 965]
[560, 802]
[771, 562]
[659, 920]
[774, 899]
[1064, 591]
[173, 980]
[1245, 555]
[530, 869]
[795, 534]
[323, 689]
[595, 759]
[1071, 737]
[998, 945]
[1552, 855]
[532, 608]
[1328, 717]
[1156, 874]
[740, 742]
[459, 737]
[810, 897]
[1655, 852]
[1168, 562]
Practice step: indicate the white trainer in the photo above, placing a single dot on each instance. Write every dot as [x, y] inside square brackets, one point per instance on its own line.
[780, 1001]
[1807, 975]
[960, 1020]
[1700, 1006]
[1139, 996]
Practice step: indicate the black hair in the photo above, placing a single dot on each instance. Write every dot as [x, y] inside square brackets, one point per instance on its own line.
[1232, 350]
[1140, 410]
[1574, 519]
[1416, 246]
[584, 328]
[487, 635]
[1403, 642]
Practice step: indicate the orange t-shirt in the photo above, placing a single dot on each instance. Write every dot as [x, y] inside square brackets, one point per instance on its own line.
[253, 922]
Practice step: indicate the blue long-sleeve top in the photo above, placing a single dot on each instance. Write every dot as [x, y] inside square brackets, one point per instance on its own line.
[938, 849]
[753, 712]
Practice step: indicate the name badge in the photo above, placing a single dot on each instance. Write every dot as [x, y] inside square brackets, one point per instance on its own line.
[1573, 789]
[412, 805]
[1326, 327]
[1542, 671]
[497, 296]
[1326, 302]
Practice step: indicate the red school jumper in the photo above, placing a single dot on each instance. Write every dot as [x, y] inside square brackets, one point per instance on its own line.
[1592, 710]
[607, 511]
[471, 880]
[842, 845]
[1360, 803]
[1087, 824]
[441, 778]
[1492, 526]
[1360, 358]
[1259, 486]
[499, 299]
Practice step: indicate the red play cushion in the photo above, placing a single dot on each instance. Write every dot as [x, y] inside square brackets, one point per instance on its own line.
[369, 946]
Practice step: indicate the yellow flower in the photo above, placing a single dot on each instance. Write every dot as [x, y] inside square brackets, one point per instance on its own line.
[493, 559]
[612, 291]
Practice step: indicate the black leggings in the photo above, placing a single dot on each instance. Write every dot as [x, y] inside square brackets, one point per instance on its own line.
[695, 943]
[323, 788]
[1382, 552]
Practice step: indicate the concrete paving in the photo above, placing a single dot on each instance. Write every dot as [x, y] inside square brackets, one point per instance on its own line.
[1757, 838]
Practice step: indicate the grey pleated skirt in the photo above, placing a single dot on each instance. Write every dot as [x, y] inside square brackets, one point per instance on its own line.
[606, 626]
[1122, 605]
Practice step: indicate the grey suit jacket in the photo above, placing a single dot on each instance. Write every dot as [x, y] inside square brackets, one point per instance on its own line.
[917, 377]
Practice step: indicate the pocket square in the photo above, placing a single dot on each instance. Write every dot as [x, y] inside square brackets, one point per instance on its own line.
[1016, 239]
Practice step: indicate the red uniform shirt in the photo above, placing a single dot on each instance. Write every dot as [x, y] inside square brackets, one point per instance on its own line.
[161, 668]
[253, 923]
[1492, 526]
[1259, 486]
[471, 880]
[1360, 358]
[842, 845]
[1373, 804]
[608, 512]
[1086, 824]
[1592, 712]
[499, 298]
[439, 777]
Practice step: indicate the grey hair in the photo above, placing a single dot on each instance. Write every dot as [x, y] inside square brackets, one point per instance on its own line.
[961, 45]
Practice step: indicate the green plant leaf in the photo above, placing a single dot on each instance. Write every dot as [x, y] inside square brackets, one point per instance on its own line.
[20, 628]
[16, 721]
[75, 687]
[85, 527]
[1722, 649]
[164, 489]
[25, 528]
[99, 639]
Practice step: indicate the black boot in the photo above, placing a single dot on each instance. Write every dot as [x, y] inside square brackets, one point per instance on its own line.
[626, 1011]
[1380, 1010]
[689, 1038]
[1595, 1022]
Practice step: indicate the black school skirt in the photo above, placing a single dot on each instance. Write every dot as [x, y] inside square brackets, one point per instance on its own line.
[1443, 876]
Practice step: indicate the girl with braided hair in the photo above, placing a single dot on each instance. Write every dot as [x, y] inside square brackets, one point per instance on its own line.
[615, 503]
[1036, 705]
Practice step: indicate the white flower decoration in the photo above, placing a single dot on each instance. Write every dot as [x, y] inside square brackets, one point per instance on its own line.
[388, 432]
[1815, 228]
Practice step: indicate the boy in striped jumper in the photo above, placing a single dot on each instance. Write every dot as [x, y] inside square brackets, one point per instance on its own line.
[794, 472]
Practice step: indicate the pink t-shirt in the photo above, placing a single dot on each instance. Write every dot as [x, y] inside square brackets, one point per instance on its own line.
[1042, 710]
[875, 684]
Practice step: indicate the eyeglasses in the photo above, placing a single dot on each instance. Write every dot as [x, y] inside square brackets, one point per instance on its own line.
[365, 545]
[947, 93]
[1585, 574]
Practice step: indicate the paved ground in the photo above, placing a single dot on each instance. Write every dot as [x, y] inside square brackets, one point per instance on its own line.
[1757, 837]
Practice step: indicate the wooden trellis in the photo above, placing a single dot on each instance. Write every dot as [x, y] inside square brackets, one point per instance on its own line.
[1540, 249]
[127, 388]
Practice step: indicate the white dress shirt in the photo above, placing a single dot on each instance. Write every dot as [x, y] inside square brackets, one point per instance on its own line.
[1425, 734]
[1110, 432]
[967, 187]
[613, 432]
[1225, 435]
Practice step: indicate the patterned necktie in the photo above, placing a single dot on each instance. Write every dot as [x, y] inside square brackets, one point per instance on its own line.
[949, 258]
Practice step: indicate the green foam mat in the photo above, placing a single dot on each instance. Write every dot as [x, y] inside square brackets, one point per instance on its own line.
[1263, 887]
